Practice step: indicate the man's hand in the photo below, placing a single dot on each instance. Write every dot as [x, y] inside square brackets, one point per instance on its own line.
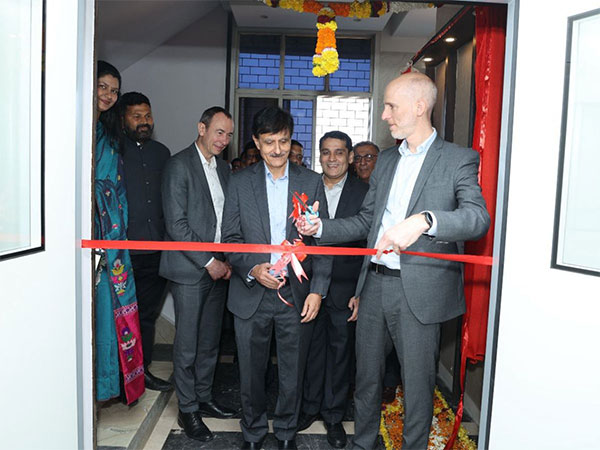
[353, 305]
[402, 235]
[219, 269]
[312, 304]
[262, 275]
[306, 228]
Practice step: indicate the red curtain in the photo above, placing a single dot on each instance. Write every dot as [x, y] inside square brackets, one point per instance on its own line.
[490, 34]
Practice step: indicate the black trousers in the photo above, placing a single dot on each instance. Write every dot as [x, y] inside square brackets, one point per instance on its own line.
[150, 292]
[329, 366]
[253, 339]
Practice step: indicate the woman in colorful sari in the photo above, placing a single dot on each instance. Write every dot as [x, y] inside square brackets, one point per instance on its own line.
[118, 343]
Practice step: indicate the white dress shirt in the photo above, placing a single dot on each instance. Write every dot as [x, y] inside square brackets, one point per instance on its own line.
[396, 208]
[333, 195]
[216, 191]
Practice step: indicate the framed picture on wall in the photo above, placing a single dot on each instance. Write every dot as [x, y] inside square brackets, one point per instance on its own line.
[577, 224]
[21, 128]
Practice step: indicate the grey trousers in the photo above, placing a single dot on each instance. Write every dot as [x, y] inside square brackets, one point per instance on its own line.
[198, 317]
[253, 339]
[385, 317]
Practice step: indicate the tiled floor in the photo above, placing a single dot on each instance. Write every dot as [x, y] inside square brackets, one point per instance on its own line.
[152, 423]
[118, 424]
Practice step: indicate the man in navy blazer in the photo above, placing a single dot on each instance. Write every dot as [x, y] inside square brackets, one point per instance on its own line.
[257, 211]
[193, 192]
[331, 355]
[423, 196]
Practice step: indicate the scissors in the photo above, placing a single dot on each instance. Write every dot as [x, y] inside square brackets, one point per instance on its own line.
[307, 209]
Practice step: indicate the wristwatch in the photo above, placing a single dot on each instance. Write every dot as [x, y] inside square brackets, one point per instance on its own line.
[428, 219]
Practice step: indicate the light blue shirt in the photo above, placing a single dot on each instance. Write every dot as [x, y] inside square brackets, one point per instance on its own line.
[396, 208]
[277, 198]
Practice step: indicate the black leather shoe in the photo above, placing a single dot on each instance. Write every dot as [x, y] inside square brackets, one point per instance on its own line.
[306, 420]
[388, 395]
[193, 426]
[213, 409]
[286, 444]
[336, 435]
[252, 445]
[156, 384]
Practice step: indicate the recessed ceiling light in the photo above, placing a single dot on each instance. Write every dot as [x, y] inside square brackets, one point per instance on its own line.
[427, 59]
[450, 39]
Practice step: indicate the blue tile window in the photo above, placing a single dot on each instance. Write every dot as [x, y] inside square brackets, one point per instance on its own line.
[259, 61]
[298, 65]
[354, 74]
[302, 112]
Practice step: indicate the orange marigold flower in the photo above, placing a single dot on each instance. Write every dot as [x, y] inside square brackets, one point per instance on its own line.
[340, 9]
[312, 6]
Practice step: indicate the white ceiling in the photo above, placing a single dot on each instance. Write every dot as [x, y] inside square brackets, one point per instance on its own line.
[128, 30]
[256, 14]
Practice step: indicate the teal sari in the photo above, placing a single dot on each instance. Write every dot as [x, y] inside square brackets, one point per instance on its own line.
[117, 324]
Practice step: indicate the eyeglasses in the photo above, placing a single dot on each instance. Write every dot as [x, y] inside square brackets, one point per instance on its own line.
[367, 158]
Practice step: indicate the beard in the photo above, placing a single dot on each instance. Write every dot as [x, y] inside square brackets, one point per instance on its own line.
[141, 133]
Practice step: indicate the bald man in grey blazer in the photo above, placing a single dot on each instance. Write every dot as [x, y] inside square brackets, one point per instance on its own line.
[423, 196]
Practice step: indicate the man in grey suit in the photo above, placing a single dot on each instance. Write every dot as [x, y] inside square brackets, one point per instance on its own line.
[193, 193]
[423, 196]
[257, 211]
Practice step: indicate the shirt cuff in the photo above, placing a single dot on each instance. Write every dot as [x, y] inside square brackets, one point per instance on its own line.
[209, 261]
[433, 229]
[319, 231]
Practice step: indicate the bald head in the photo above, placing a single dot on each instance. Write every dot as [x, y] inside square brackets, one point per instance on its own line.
[408, 102]
[418, 85]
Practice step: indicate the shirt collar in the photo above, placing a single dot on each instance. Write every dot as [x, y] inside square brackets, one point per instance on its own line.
[339, 185]
[269, 175]
[421, 149]
[211, 164]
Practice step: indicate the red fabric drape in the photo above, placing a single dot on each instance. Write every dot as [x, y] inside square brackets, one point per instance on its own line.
[490, 34]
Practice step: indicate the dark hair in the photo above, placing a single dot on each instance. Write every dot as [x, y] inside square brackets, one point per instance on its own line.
[364, 143]
[271, 120]
[337, 135]
[208, 114]
[248, 145]
[110, 118]
[295, 142]
[132, 99]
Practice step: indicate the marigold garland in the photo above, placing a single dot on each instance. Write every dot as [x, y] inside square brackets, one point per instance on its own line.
[326, 58]
[391, 425]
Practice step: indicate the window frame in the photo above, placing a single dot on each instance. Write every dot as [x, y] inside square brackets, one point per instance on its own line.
[37, 138]
[565, 156]
[282, 94]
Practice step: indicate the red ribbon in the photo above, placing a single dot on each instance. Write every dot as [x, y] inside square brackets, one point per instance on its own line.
[279, 268]
[265, 248]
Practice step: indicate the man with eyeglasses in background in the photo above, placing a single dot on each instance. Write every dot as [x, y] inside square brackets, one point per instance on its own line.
[365, 157]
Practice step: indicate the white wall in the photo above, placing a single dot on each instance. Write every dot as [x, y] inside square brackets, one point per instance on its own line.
[39, 292]
[182, 78]
[546, 391]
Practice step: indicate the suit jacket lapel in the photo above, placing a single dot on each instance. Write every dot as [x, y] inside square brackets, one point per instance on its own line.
[198, 170]
[433, 154]
[223, 172]
[345, 197]
[294, 185]
[260, 196]
[385, 180]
